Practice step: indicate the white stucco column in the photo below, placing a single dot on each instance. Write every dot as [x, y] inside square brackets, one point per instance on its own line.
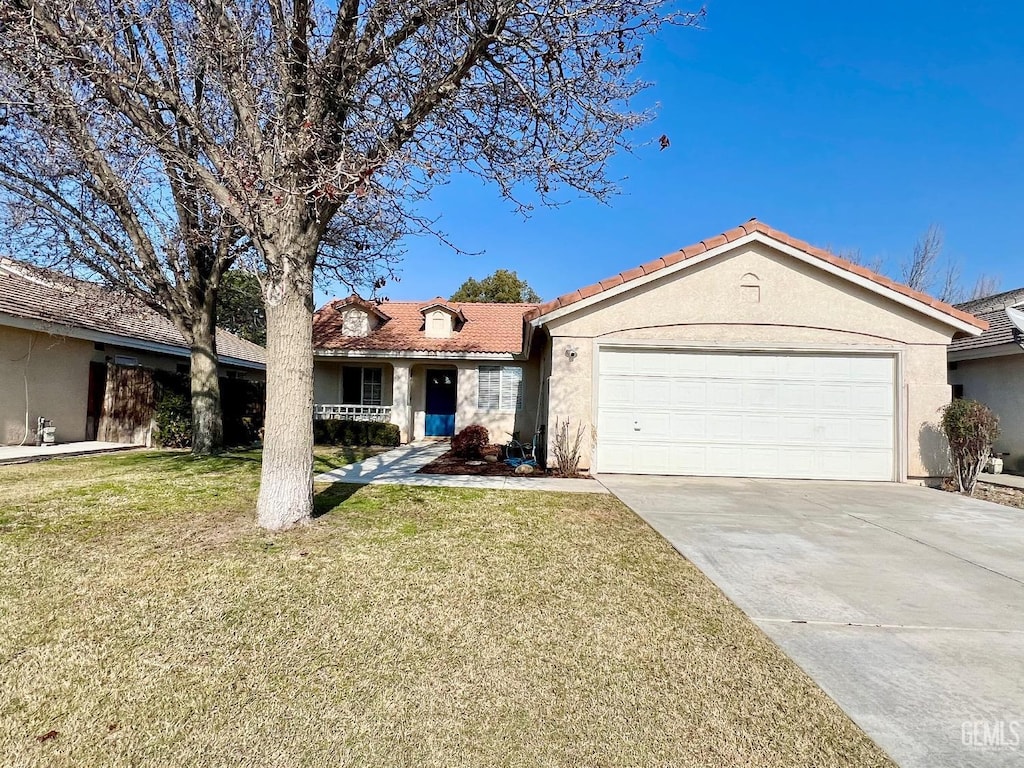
[465, 401]
[400, 400]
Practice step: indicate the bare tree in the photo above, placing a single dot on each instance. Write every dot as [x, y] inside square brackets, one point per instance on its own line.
[985, 285]
[82, 196]
[921, 271]
[299, 111]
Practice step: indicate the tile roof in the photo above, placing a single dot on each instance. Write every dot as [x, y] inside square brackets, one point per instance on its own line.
[488, 329]
[993, 309]
[49, 297]
[736, 233]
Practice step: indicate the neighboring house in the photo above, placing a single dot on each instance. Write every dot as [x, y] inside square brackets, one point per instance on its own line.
[749, 354]
[990, 368]
[59, 337]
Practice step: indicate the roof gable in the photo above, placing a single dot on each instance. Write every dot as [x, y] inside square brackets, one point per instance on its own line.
[444, 306]
[367, 306]
[751, 231]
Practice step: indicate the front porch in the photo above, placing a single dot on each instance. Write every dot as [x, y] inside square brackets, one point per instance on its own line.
[423, 398]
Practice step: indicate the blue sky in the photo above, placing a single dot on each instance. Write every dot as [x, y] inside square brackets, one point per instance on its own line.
[849, 125]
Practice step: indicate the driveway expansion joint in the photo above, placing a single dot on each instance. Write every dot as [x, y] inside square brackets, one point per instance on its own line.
[871, 625]
[937, 549]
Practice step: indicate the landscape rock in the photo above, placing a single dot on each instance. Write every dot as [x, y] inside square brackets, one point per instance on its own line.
[524, 469]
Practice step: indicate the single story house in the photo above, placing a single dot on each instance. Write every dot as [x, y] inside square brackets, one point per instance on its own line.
[990, 368]
[60, 336]
[749, 354]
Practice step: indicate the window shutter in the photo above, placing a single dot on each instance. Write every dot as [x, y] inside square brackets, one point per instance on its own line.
[488, 388]
[511, 389]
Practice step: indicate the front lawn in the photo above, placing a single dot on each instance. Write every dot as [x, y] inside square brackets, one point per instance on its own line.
[144, 620]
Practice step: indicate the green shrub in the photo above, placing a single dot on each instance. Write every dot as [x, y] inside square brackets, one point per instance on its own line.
[470, 441]
[345, 432]
[970, 428]
[173, 414]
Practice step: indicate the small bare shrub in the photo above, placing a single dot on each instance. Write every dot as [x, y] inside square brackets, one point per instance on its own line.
[971, 428]
[566, 447]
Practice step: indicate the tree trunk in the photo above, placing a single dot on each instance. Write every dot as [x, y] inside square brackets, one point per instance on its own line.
[286, 483]
[207, 417]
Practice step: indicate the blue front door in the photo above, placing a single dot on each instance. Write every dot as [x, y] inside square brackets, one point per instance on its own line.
[441, 393]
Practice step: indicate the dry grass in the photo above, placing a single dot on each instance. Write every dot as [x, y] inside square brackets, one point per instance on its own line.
[147, 622]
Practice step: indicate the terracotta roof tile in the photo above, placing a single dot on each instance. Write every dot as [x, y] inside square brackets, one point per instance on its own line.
[747, 228]
[652, 266]
[488, 329]
[714, 242]
[52, 298]
[631, 274]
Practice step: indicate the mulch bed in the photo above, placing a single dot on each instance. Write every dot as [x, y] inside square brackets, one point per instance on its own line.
[450, 464]
[1010, 497]
[999, 494]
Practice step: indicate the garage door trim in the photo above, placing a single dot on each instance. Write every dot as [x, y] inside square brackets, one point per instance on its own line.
[900, 458]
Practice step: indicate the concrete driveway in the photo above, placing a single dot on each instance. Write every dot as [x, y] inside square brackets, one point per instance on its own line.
[905, 604]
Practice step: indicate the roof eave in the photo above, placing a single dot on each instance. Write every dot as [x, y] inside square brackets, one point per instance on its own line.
[953, 321]
[103, 337]
[979, 353]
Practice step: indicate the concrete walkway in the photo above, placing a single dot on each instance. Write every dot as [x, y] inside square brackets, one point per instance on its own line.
[399, 466]
[19, 454]
[1006, 481]
[905, 604]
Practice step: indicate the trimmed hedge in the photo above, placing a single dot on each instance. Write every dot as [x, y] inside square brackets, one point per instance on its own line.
[344, 432]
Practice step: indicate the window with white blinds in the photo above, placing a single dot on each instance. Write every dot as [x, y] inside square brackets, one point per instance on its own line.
[499, 388]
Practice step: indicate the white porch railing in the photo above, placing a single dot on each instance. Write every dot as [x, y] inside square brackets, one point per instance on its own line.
[352, 412]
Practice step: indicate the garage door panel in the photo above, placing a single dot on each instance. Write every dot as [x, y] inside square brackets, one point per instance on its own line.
[798, 429]
[724, 427]
[617, 391]
[872, 433]
[723, 460]
[725, 394]
[689, 365]
[616, 423]
[650, 390]
[615, 361]
[689, 394]
[688, 459]
[761, 395]
[654, 425]
[689, 426]
[654, 364]
[747, 414]
[833, 397]
[761, 429]
[872, 398]
[794, 397]
[724, 366]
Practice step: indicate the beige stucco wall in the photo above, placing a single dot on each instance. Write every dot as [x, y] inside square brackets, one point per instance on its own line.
[797, 306]
[57, 372]
[998, 382]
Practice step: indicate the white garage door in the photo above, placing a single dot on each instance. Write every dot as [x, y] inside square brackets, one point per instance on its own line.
[812, 416]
